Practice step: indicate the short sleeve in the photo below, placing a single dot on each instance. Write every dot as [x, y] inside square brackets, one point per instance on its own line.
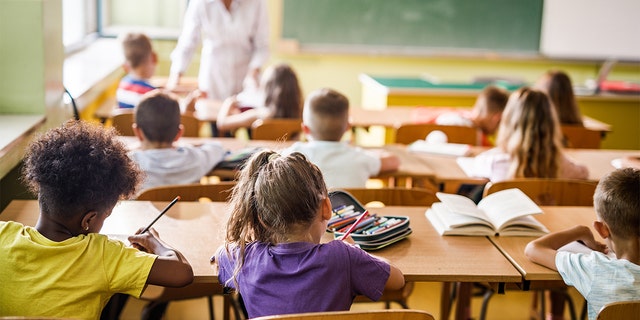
[575, 270]
[126, 268]
[369, 274]
[225, 267]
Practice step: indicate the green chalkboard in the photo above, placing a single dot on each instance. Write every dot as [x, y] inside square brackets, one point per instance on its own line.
[415, 25]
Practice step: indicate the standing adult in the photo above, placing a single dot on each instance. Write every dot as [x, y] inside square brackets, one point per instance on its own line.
[235, 45]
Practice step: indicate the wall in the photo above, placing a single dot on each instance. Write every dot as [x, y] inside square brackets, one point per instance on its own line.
[341, 71]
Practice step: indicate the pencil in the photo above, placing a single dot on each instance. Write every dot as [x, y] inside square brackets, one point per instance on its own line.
[353, 226]
[161, 213]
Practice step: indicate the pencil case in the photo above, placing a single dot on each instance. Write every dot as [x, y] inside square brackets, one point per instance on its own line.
[372, 233]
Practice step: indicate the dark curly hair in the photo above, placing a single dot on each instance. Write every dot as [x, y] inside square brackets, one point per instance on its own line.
[79, 167]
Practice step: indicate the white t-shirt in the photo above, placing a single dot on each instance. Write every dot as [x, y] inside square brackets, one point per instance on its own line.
[179, 165]
[600, 279]
[342, 165]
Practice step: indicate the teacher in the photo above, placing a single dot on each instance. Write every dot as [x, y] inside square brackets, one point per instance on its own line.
[235, 45]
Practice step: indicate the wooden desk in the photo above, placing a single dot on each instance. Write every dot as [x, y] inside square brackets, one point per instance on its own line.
[449, 174]
[424, 256]
[555, 219]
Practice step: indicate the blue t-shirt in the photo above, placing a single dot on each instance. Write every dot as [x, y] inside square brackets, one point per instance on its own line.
[599, 278]
[304, 277]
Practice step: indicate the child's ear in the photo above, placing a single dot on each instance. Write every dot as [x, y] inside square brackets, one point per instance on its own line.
[126, 67]
[180, 132]
[326, 209]
[87, 220]
[138, 132]
[602, 229]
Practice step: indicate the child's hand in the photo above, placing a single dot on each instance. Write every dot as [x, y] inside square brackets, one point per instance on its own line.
[144, 241]
[592, 244]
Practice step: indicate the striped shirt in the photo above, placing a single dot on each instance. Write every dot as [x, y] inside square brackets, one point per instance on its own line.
[130, 91]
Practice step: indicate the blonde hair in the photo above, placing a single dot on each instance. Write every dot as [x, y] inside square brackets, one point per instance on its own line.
[282, 92]
[274, 195]
[617, 202]
[557, 85]
[530, 134]
[326, 113]
[137, 48]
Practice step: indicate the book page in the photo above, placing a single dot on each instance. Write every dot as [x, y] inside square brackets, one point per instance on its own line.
[506, 205]
[523, 226]
[448, 223]
[462, 205]
[578, 247]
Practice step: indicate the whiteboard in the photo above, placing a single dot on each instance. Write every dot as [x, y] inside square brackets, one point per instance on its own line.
[591, 29]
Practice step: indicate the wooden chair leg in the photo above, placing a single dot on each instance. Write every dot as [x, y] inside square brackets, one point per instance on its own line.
[210, 302]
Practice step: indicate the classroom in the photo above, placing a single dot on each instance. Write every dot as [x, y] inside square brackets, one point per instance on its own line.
[380, 54]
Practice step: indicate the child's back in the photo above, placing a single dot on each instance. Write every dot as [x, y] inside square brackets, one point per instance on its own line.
[598, 277]
[279, 213]
[325, 120]
[63, 267]
[528, 143]
[140, 64]
[158, 128]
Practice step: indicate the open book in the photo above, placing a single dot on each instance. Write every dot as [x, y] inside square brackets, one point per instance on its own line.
[506, 213]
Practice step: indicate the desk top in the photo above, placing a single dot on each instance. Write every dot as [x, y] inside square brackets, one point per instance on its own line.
[555, 219]
[598, 162]
[197, 230]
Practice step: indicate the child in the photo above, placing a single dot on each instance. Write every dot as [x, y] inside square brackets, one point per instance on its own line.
[557, 85]
[140, 65]
[279, 95]
[528, 143]
[599, 278]
[63, 267]
[325, 119]
[485, 115]
[273, 256]
[157, 126]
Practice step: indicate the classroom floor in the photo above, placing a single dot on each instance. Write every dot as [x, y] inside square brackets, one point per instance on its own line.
[514, 305]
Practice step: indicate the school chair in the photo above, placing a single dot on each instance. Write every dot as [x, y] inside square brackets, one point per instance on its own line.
[629, 310]
[550, 192]
[189, 192]
[409, 133]
[356, 315]
[547, 192]
[192, 192]
[122, 119]
[393, 197]
[581, 137]
[276, 129]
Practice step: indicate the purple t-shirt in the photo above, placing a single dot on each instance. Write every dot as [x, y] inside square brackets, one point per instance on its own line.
[304, 277]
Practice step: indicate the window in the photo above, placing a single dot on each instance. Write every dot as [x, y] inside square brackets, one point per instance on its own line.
[79, 23]
[159, 19]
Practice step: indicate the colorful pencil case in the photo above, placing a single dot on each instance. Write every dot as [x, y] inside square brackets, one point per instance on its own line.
[373, 232]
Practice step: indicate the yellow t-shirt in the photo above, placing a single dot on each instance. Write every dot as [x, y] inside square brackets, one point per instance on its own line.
[72, 279]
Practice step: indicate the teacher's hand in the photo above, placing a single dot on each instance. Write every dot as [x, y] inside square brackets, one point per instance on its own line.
[173, 81]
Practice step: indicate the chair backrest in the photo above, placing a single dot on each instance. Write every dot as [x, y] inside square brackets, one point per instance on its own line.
[189, 192]
[408, 133]
[628, 310]
[276, 129]
[388, 314]
[394, 196]
[550, 192]
[122, 119]
[191, 125]
[581, 137]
